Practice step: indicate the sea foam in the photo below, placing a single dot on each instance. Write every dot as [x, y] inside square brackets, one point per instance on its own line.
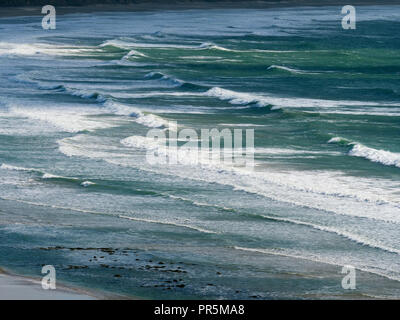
[263, 100]
[384, 157]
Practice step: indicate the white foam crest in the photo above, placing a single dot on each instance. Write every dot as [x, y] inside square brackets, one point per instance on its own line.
[86, 94]
[184, 155]
[332, 192]
[71, 121]
[51, 176]
[86, 184]
[31, 49]
[152, 94]
[169, 223]
[241, 125]
[128, 44]
[140, 142]
[82, 93]
[45, 175]
[233, 96]
[283, 253]
[115, 43]
[328, 191]
[145, 119]
[54, 176]
[70, 149]
[122, 109]
[164, 77]
[392, 112]
[82, 145]
[133, 53]
[18, 49]
[210, 45]
[197, 203]
[5, 166]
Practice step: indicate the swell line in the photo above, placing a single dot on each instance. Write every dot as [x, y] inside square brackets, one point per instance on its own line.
[109, 215]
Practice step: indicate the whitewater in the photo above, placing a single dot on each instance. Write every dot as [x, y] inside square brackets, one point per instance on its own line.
[77, 191]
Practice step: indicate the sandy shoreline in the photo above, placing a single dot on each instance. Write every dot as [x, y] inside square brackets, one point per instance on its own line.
[36, 11]
[14, 287]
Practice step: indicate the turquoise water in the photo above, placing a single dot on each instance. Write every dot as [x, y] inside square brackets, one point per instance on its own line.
[77, 192]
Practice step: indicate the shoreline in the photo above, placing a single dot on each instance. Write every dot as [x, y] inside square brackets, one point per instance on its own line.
[20, 287]
[137, 7]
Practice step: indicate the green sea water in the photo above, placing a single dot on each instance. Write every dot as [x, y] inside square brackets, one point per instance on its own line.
[77, 191]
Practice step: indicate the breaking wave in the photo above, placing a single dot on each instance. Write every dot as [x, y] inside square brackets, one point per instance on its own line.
[275, 103]
[290, 70]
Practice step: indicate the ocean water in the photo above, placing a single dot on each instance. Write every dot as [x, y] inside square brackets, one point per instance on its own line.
[77, 192]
